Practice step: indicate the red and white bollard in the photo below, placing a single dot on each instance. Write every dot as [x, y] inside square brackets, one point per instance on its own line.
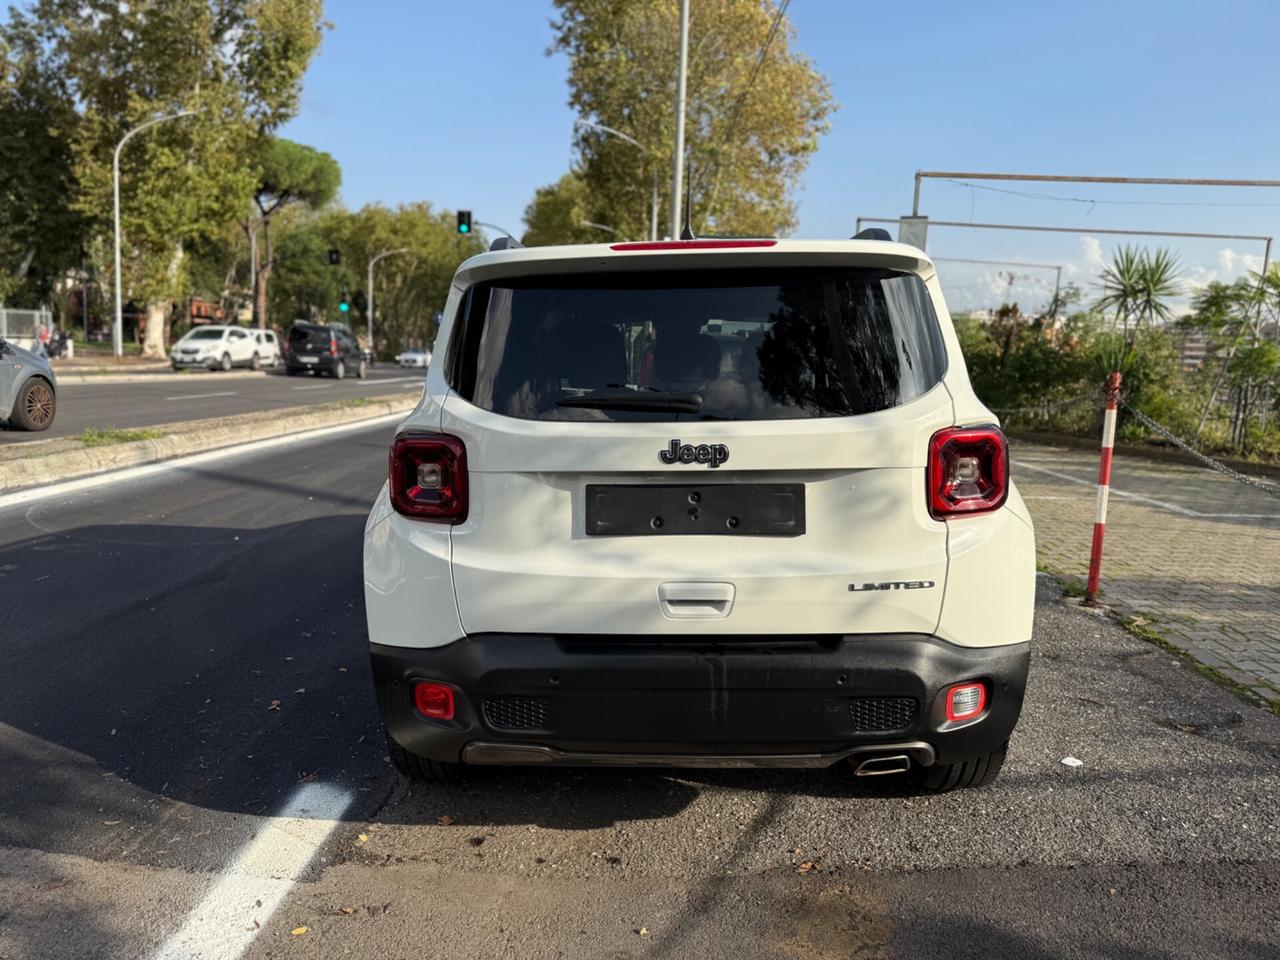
[1112, 391]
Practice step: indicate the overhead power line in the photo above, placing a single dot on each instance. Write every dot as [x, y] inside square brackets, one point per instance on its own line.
[1094, 202]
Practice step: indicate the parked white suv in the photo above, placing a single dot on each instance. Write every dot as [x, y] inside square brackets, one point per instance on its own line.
[700, 503]
[218, 348]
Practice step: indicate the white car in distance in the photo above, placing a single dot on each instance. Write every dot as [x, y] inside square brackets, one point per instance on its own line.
[415, 357]
[218, 348]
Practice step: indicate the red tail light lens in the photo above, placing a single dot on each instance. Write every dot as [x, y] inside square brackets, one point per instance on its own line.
[429, 477]
[968, 471]
[434, 700]
[333, 348]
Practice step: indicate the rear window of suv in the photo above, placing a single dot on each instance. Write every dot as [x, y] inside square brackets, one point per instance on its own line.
[724, 345]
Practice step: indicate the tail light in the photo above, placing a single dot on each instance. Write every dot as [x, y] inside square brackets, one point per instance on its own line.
[428, 477]
[968, 471]
[333, 348]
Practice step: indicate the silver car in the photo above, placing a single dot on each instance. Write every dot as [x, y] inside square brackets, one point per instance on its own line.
[28, 388]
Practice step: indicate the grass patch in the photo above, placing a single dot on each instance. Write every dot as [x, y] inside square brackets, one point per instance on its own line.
[1075, 587]
[1140, 626]
[352, 402]
[105, 438]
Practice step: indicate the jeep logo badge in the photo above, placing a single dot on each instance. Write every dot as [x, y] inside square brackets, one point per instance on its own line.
[712, 454]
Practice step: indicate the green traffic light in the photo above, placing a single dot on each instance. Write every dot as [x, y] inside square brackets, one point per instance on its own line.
[464, 228]
[344, 307]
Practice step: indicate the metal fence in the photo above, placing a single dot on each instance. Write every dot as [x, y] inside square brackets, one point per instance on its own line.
[21, 325]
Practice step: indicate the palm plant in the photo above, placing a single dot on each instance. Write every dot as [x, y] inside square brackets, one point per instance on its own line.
[1159, 281]
[1137, 284]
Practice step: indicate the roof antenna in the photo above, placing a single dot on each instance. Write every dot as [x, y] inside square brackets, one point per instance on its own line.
[686, 232]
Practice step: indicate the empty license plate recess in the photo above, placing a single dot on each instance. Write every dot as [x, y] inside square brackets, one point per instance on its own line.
[711, 509]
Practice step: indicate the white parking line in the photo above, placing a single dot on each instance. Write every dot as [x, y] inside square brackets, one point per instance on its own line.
[242, 900]
[203, 396]
[181, 463]
[1149, 501]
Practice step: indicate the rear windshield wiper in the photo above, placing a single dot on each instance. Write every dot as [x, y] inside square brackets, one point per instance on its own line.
[624, 398]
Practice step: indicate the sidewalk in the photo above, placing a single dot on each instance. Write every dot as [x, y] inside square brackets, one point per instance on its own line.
[1195, 552]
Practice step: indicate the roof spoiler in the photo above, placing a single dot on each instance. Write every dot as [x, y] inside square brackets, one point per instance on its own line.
[872, 233]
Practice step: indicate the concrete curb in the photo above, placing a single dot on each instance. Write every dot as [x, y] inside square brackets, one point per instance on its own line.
[32, 468]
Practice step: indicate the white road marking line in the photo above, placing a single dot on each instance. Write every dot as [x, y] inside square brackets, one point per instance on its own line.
[181, 463]
[222, 925]
[1158, 504]
[203, 396]
[318, 386]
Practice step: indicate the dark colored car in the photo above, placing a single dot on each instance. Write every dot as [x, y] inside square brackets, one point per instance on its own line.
[323, 348]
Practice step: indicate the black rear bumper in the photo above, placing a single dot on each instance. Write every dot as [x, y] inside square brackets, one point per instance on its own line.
[781, 700]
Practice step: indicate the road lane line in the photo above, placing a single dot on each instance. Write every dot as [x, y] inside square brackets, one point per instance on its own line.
[1149, 501]
[243, 898]
[203, 396]
[181, 463]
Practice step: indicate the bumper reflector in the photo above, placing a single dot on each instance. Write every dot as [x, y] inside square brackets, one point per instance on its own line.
[434, 700]
[965, 701]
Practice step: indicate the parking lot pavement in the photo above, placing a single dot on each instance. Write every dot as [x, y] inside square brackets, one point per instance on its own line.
[201, 394]
[147, 764]
[1195, 552]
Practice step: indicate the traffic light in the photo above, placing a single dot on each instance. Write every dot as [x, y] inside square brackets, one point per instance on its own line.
[464, 221]
[335, 257]
[345, 304]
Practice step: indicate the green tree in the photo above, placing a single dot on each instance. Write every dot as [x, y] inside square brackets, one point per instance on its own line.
[557, 214]
[40, 232]
[756, 109]
[411, 287]
[237, 63]
[289, 173]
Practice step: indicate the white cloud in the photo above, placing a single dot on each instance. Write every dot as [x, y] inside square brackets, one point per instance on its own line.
[1091, 253]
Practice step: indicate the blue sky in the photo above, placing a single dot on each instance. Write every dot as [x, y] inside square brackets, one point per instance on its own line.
[457, 104]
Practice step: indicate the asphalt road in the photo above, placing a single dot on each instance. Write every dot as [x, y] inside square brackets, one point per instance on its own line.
[201, 393]
[183, 657]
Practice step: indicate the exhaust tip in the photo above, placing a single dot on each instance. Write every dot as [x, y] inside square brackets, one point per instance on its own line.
[883, 765]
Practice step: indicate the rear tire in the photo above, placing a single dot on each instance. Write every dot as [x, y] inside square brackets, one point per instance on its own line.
[421, 769]
[340, 370]
[977, 772]
[225, 364]
[35, 406]
[362, 371]
[255, 363]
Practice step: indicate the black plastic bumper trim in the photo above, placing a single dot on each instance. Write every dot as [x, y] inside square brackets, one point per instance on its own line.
[676, 700]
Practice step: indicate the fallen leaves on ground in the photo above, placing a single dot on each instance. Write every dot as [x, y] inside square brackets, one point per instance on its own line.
[299, 931]
[363, 838]
[275, 705]
[304, 777]
[447, 821]
[806, 867]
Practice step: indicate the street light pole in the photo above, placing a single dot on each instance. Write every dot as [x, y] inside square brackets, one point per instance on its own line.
[384, 253]
[117, 329]
[677, 185]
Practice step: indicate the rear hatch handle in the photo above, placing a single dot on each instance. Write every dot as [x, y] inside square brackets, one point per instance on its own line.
[687, 600]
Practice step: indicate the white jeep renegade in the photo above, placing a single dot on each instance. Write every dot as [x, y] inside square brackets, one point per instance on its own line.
[700, 503]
